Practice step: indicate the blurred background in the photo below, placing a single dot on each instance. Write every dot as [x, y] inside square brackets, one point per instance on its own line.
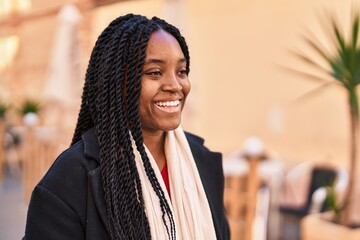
[244, 100]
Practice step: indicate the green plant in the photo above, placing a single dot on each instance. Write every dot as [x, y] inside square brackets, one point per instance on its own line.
[3, 108]
[332, 202]
[30, 106]
[343, 68]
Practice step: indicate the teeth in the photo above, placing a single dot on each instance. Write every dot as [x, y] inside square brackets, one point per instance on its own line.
[168, 104]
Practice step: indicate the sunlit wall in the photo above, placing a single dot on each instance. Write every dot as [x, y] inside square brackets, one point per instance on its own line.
[239, 85]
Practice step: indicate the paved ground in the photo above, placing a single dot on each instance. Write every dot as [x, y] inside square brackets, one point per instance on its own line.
[12, 208]
[13, 211]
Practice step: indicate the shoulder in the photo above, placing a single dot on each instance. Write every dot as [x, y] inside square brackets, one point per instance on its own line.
[67, 178]
[194, 138]
[209, 163]
[70, 165]
[59, 200]
[76, 160]
[197, 145]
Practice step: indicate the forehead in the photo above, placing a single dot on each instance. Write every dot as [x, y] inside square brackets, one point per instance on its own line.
[163, 43]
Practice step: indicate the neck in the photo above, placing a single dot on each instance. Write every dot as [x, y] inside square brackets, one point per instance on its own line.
[155, 142]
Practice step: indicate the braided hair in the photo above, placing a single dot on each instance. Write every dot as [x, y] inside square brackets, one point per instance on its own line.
[110, 103]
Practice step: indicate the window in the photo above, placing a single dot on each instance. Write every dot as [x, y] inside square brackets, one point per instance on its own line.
[12, 6]
[8, 49]
[105, 2]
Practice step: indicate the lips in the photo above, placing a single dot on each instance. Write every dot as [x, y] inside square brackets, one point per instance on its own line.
[166, 104]
[169, 106]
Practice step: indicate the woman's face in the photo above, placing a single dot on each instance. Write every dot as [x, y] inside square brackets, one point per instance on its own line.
[165, 84]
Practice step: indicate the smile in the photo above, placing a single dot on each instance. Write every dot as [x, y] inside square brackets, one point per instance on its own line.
[168, 104]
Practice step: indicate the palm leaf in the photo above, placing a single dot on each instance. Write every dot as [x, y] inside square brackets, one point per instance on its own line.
[355, 31]
[318, 49]
[357, 76]
[344, 62]
[306, 75]
[329, 31]
[339, 70]
[312, 93]
[339, 37]
[309, 61]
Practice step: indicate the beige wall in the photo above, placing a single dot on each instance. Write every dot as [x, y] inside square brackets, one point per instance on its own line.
[239, 87]
[246, 90]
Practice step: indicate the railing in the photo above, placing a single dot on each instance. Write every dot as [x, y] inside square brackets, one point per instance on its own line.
[39, 149]
[2, 149]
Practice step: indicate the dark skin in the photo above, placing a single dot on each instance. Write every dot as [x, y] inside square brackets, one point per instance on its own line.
[155, 143]
[165, 85]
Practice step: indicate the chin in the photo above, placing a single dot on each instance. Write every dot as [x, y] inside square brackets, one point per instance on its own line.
[170, 127]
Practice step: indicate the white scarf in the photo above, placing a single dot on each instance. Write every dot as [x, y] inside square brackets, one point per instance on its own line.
[189, 204]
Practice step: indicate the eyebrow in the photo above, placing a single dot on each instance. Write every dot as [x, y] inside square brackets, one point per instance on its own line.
[159, 61]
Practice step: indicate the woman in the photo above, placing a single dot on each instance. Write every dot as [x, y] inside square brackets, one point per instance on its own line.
[131, 172]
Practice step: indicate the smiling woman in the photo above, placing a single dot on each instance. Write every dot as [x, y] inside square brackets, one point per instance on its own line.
[131, 172]
[165, 84]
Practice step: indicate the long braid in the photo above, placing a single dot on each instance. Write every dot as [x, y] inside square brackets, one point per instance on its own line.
[110, 103]
[120, 214]
[150, 172]
[84, 119]
[133, 93]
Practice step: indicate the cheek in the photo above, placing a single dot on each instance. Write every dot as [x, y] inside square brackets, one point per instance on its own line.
[145, 93]
[144, 112]
[186, 87]
[148, 90]
[142, 103]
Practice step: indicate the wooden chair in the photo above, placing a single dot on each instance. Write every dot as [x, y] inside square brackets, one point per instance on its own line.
[39, 151]
[241, 202]
[235, 204]
[2, 149]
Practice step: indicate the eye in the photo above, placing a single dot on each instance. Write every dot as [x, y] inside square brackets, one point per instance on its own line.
[183, 73]
[153, 73]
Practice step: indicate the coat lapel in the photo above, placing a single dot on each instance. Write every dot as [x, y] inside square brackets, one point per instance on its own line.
[209, 165]
[203, 160]
[91, 151]
[97, 191]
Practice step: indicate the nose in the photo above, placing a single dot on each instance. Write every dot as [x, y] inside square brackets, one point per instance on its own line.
[171, 83]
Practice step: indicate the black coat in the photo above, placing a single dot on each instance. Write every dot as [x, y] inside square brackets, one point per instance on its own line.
[68, 203]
